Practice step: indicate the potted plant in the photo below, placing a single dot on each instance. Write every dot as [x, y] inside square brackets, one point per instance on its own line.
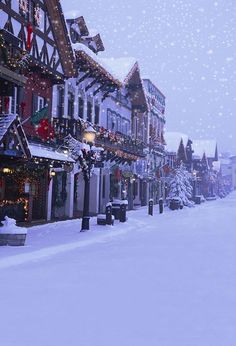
[10, 234]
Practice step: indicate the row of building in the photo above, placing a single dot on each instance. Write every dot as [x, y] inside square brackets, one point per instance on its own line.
[54, 84]
[212, 175]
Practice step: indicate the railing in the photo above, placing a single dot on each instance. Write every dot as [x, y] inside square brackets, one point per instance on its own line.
[105, 138]
[157, 147]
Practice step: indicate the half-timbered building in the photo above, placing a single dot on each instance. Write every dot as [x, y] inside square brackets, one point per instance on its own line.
[35, 54]
[111, 102]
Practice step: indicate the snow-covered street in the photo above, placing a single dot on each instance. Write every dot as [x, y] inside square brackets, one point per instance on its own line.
[163, 280]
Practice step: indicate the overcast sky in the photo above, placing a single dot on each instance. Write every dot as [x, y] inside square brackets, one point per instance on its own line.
[187, 48]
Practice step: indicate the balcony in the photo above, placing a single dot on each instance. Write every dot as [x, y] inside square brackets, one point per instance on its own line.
[105, 138]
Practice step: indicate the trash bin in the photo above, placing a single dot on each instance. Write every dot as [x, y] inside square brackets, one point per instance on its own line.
[174, 204]
[116, 209]
[197, 199]
[123, 207]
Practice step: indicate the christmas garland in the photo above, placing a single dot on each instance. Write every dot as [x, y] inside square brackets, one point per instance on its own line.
[59, 197]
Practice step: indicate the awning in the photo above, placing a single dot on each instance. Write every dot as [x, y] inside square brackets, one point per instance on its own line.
[48, 153]
[11, 128]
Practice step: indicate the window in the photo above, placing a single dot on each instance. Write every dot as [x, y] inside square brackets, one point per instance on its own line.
[36, 14]
[38, 103]
[81, 107]
[111, 120]
[60, 101]
[97, 111]
[24, 8]
[118, 122]
[89, 111]
[41, 103]
[70, 104]
[125, 126]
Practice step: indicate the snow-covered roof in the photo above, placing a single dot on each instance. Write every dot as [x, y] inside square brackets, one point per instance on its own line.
[5, 123]
[99, 61]
[48, 153]
[173, 140]
[119, 67]
[216, 165]
[201, 146]
[225, 161]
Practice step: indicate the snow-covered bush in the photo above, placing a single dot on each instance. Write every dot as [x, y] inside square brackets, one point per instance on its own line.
[9, 227]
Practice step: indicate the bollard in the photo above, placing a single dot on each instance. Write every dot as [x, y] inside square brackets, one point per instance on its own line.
[109, 214]
[160, 205]
[150, 207]
[123, 212]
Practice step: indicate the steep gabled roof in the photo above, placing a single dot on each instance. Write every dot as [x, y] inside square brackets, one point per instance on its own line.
[207, 146]
[173, 140]
[83, 53]
[10, 126]
[119, 67]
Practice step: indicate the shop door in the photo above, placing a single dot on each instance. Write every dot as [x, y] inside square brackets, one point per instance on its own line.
[39, 193]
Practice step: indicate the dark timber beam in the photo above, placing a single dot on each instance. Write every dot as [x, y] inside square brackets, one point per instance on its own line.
[86, 75]
[99, 89]
[90, 85]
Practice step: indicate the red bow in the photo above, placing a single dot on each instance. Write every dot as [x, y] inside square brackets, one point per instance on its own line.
[45, 130]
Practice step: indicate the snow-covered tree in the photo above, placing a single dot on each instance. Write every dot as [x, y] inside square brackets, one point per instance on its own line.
[180, 186]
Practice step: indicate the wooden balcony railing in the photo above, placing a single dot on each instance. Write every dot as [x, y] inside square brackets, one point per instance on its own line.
[109, 140]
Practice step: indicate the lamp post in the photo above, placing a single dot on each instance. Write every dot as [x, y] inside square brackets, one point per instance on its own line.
[194, 183]
[89, 135]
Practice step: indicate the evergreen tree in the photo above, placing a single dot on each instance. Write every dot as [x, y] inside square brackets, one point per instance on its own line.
[181, 154]
[180, 186]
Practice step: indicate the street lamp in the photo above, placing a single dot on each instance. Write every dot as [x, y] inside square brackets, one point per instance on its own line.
[194, 183]
[89, 136]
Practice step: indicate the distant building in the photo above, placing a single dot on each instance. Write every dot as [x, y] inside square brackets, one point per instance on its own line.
[206, 166]
[178, 149]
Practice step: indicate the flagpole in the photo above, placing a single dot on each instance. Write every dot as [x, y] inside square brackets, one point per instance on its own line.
[24, 121]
